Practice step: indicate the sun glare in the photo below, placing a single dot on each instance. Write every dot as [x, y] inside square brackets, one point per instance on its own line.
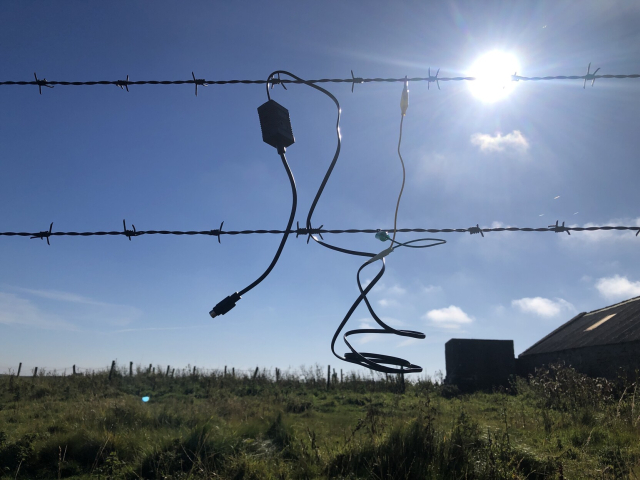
[493, 72]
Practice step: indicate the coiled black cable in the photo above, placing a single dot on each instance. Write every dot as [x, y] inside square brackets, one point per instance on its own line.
[373, 361]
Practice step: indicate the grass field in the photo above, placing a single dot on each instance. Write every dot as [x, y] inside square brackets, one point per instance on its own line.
[558, 425]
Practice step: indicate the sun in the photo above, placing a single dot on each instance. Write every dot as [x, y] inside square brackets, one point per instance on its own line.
[493, 73]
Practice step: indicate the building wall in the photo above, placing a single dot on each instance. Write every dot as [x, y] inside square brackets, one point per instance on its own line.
[479, 364]
[597, 361]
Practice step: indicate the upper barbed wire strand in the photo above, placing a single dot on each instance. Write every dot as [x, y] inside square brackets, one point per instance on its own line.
[515, 78]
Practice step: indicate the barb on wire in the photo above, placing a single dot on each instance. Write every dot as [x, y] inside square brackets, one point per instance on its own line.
[515, 77]
[129, 233]
[199, 81]
[355, 80]
[433, 79]
[41, 83]
[590, 76]
[559, 228]
[123, 83]
[42, 235]
[475, 230]
[218, 232]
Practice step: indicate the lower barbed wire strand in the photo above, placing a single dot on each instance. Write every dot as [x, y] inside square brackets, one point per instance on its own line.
[305, 231]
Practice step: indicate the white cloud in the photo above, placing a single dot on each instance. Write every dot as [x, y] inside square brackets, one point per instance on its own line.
[597, 236]
[618, 287]
[451, 317]
[388, 302]
[513, 141]
[432, 289]
[542, 307]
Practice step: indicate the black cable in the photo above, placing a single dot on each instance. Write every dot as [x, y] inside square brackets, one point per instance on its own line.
[294, 204]
[229, 302]
[369, 360]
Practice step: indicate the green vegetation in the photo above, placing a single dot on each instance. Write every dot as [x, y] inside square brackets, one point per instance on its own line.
[558, 424]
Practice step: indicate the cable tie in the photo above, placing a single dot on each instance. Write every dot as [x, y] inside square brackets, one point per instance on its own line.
[198, 81]
[590, 76]
[42, 235]
[475, 230]
[560, 228]
[216, 233]
[129, 233]
[431, 79]
[123, 83]
[41, 83]
[354, 80]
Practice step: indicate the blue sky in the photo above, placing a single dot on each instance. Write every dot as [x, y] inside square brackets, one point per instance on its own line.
[161, 158]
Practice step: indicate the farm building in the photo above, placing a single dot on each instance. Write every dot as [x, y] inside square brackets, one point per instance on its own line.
[602, 343]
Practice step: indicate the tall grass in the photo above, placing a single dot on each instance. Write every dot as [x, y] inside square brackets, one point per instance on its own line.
[265, 424]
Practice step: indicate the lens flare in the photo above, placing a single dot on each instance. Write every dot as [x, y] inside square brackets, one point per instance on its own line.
[493, 76]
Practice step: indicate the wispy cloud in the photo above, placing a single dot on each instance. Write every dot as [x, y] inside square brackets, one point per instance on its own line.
[451, 317]
[543, 307]
[618, 287]
[432, 289]
[15, 310]
[388, 302]
[76, 310]
[514, 141]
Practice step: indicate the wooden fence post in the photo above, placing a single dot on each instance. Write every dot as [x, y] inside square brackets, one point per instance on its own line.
[277, 374]
[225, 370]
[328, 376]
[19, 368]
[149, 371]
[341, 378]
[233, 372]
[131, 369]
[194, 370]
[255, 374]
[172, 372]
[35, 371]
[74, 369]
[167, 374]
[113, 367]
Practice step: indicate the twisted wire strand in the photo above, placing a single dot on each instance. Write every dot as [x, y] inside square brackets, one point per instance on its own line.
[356, 80]
[304, 231]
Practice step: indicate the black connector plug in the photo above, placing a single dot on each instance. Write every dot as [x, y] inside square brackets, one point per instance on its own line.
[225, 305]
[276, 125]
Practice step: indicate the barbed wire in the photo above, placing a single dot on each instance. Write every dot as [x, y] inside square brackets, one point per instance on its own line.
[124, 84]
[218, 232]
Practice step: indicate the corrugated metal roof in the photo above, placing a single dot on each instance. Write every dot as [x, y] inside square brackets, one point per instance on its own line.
[589, 329]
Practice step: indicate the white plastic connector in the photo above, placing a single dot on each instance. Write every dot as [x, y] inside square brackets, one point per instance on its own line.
[404, 100]
[381, 255]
